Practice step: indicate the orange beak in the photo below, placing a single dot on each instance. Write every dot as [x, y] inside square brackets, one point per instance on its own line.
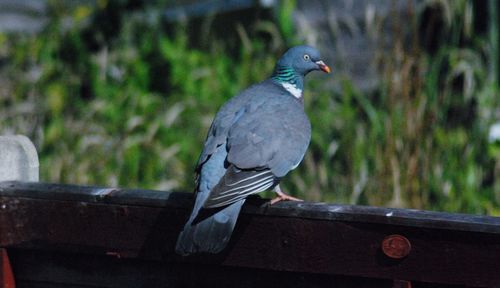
[323, 66]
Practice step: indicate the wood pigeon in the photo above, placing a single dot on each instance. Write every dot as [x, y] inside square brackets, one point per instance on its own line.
[256, 138]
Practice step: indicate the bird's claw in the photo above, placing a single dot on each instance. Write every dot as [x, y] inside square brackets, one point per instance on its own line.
[284, 197]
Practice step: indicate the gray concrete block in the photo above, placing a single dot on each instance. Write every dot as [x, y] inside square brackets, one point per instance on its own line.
[18, 159]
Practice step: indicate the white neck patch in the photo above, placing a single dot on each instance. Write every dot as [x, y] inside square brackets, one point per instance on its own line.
[292, 89]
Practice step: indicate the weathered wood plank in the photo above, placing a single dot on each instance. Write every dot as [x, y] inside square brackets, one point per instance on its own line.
[48, 270]
[324, 211]
[304, 238]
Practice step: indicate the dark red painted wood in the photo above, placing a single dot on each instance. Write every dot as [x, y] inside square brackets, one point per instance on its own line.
[6, 274]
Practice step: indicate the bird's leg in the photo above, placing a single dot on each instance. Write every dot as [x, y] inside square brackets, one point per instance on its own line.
[282, 196]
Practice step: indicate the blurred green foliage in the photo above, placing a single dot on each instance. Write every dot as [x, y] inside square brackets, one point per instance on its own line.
[111, 96]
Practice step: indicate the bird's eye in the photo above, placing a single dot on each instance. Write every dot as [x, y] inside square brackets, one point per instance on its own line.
[307, 57]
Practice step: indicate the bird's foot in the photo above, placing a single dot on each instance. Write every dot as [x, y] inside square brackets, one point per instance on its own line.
[284, 197]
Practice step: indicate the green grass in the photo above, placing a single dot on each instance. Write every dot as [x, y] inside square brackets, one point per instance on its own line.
[132, 108]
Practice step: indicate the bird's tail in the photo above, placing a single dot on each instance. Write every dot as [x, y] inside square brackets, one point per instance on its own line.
[209, 235]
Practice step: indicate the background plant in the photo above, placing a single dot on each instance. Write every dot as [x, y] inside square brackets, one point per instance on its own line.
[111, 95]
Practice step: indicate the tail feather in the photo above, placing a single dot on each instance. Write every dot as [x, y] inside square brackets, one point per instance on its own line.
[211, 235]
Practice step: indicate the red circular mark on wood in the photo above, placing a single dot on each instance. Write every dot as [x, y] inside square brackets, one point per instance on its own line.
[396, 246]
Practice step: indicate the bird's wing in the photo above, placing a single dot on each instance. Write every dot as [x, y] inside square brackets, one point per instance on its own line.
[237, 184]
[268, 140]
[223, 120]
[273, 135]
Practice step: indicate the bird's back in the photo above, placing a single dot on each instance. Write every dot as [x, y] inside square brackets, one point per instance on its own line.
[232, 110]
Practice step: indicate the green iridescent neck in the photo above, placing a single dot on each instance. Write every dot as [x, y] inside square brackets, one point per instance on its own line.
[286, 74]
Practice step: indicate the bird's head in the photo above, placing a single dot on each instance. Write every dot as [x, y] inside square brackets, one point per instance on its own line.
[303, 59]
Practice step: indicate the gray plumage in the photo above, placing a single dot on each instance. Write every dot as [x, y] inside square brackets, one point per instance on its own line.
[256, 138]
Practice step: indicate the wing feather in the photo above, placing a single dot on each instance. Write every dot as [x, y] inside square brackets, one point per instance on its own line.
[237, 184]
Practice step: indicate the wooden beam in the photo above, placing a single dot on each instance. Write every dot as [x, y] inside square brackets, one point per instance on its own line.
[317, 238]
[47, 269]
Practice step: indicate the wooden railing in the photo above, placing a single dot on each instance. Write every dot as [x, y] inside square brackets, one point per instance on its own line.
[77, 236]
